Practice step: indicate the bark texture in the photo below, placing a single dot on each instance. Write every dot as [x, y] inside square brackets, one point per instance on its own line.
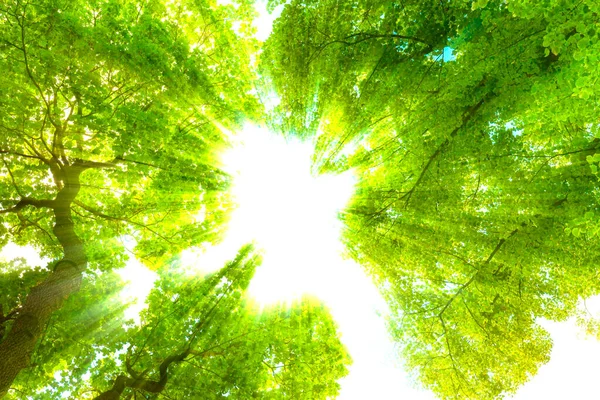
[48, 296]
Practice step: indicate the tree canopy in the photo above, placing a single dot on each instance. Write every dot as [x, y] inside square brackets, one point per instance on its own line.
[100, 101]
[472, 127]
[198, 338]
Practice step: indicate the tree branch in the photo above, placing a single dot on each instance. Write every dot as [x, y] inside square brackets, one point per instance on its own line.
[21, 23]
[466, 118]
[87, 164]
[117, 159]
[122, 382]
[26, 201]
[487, 261]
[365, 36]
[14, 153]
[121, 219]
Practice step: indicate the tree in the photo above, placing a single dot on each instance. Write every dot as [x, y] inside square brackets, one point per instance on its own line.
[199, 338]
[473, 129]
[110, 128]
[472, 125]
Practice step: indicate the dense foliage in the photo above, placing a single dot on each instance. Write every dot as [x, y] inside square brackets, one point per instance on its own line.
[111, 126]
[472, 126]
[99, 100]
[200, 330]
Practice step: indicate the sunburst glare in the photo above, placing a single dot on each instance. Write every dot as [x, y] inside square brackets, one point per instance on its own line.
[290, 214]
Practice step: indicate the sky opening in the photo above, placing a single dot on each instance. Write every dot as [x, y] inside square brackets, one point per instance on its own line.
[292, 217]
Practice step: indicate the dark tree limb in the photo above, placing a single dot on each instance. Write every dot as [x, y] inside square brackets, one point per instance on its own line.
[117, 159]
[18, 345]
[18, 154]
[123, 382]
[26, 201]
[475, 275]
[465, 119]
[360, 37]
[102, 215]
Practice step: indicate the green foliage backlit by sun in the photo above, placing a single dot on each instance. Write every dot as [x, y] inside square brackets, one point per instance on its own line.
[475, 209]
[472, 128]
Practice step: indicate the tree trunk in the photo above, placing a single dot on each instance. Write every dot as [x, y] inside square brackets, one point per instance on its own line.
[48, 296]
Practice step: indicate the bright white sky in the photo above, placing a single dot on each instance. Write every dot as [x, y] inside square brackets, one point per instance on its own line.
[292, 217]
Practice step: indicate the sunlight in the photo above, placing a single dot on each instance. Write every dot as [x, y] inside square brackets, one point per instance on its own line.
[292, 217]
[32, 258]
[138, 282]
[289, 214]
